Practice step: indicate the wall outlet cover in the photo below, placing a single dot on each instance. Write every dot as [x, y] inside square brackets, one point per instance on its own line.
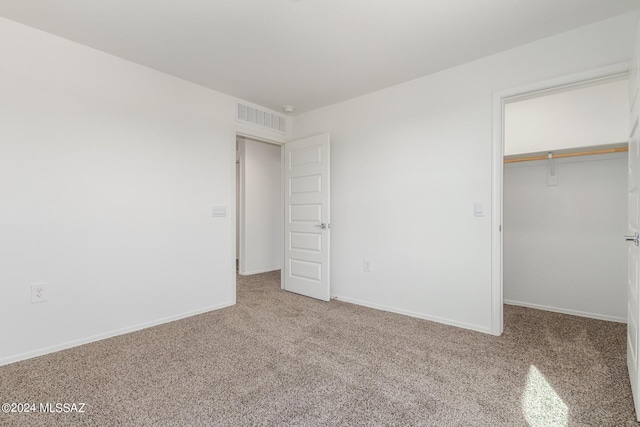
[39, 292]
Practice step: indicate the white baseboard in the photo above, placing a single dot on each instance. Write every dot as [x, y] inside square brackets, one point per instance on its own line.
[414, 314]
[87, 340]
[568, 311]
[266, 270]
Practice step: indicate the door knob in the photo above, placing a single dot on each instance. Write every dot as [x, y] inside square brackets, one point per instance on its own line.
[635, 238]
[323, 225]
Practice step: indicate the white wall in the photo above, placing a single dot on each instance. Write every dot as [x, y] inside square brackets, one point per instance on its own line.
[108, 174]
[409, 162]
[261, 207]
[583, 117]
[563, 245]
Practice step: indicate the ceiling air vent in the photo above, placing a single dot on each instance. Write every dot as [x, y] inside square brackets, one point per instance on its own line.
[256, 116]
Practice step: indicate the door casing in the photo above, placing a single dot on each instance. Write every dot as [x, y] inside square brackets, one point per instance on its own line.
[500, 99]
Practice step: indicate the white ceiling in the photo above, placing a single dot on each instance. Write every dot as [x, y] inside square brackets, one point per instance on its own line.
[306, 53]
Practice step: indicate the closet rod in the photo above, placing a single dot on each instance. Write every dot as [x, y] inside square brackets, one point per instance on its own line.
[562, 155]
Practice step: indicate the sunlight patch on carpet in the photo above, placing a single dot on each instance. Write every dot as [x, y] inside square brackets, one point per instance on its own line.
[541, 404]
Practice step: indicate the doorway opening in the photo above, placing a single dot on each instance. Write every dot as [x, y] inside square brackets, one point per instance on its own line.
[258, 206]
[546, 169]
[563, 215]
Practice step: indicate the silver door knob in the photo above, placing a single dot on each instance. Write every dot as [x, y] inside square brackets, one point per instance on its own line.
[635, 238]
[322, 225]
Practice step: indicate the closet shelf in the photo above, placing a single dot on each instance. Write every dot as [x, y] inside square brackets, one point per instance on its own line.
[617, 149]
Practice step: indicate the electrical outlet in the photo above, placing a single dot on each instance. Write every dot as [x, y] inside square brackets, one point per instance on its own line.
[367, 265]
[39, 292]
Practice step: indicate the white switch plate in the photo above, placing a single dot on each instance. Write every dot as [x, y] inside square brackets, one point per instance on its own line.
[39, 292]
[478, 210]
[219, 211]
[368, 265]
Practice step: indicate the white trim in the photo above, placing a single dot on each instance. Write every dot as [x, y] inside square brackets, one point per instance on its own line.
[568, 311]
[610, 72]
[111, 334]
[233, 227]
[259, 139]
[283, 237]
[262, 270]
[241, 214]
[413, 314]
[500, 98]
[497, 164]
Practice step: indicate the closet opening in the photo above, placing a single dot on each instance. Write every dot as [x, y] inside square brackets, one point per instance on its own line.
[565, 199]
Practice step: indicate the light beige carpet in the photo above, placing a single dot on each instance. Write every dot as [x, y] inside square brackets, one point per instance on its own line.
[278, 359]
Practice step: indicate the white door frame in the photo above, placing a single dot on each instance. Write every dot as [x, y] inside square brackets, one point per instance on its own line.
[241, 226]
[500, 99]
[256, 136]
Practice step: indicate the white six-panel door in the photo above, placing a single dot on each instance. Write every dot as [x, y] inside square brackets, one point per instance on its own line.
[307, 219]
[633, 308]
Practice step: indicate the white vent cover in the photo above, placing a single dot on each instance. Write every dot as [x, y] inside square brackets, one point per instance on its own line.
[259, 117]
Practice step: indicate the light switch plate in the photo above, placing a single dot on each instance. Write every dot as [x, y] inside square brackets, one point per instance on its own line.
[219, 211]
[478, 210]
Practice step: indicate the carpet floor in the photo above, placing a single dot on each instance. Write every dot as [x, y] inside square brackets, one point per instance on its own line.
[280, 359]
